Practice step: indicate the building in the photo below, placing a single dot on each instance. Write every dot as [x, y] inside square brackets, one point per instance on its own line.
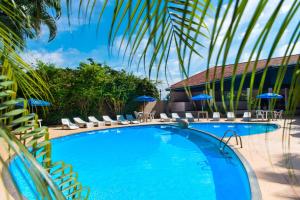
[180, 100]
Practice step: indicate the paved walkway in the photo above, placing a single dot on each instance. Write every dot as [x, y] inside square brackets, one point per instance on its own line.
[274, 157]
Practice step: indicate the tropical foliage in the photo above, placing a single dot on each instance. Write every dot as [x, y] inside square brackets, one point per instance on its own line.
[92, 89]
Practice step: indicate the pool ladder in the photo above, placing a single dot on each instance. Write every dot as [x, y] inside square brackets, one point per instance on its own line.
[238, 139]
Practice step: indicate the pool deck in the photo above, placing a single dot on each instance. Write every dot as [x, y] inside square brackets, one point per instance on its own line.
[269, 157]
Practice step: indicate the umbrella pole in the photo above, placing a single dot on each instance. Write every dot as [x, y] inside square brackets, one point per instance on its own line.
[202, 105]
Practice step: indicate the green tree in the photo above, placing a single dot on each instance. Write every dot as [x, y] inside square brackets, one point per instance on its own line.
[92, 89]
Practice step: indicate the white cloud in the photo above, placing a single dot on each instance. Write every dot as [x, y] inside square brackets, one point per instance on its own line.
[282, 49]
[286, 7]
[61, 57]
[48, 57]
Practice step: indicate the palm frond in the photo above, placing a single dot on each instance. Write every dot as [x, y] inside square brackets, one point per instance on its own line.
[163, 25]
[32, 148]
[222, 54]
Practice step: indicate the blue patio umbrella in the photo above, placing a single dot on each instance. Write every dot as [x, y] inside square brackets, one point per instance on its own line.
[201, 97]
[145, 99]
[34, 103]
[269, 96]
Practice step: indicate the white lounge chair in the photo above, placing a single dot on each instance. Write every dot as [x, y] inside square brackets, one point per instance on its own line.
[81, 123]
[67, 123]
[131, 119]
[189, 117]
[108, 121]
[216, 116]
[247, 116]
[121, 120]
[95, 121]
[164, 117]
[175, 117]
[230, 116]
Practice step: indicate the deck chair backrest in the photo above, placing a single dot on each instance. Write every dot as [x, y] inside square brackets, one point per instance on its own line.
[93, 119]
[216, 115]
[120, 118]
[106, 118]
[175, 115]
[247, 114]
[77, 119]
[65, 121]
[230, 114]
[189, 115]
[163, 115]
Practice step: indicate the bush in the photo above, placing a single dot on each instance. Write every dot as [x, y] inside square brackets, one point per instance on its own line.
[92, 89]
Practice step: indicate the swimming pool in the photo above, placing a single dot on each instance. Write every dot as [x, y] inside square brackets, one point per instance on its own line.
[242, 129]
[152, 162]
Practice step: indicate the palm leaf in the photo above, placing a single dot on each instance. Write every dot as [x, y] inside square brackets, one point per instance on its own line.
[50, 179]
[179, 22]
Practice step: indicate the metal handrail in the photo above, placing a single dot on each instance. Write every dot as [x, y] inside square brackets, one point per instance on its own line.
[234, 133]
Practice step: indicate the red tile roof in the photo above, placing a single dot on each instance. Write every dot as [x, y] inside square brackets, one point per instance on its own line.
[200, 78]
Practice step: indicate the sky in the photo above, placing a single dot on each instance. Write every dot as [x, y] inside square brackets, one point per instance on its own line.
[81, 40]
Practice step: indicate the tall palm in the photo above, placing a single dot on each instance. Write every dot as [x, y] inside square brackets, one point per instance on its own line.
[31, 15]
[39, 12]
[20, 20]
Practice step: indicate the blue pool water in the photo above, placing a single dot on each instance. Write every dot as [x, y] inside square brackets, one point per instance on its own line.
[242, 129]
[152, 162]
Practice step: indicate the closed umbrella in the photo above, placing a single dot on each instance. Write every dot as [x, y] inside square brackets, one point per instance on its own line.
[201, 97]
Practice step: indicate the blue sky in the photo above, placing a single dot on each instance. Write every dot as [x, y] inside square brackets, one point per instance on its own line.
[81, 40]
